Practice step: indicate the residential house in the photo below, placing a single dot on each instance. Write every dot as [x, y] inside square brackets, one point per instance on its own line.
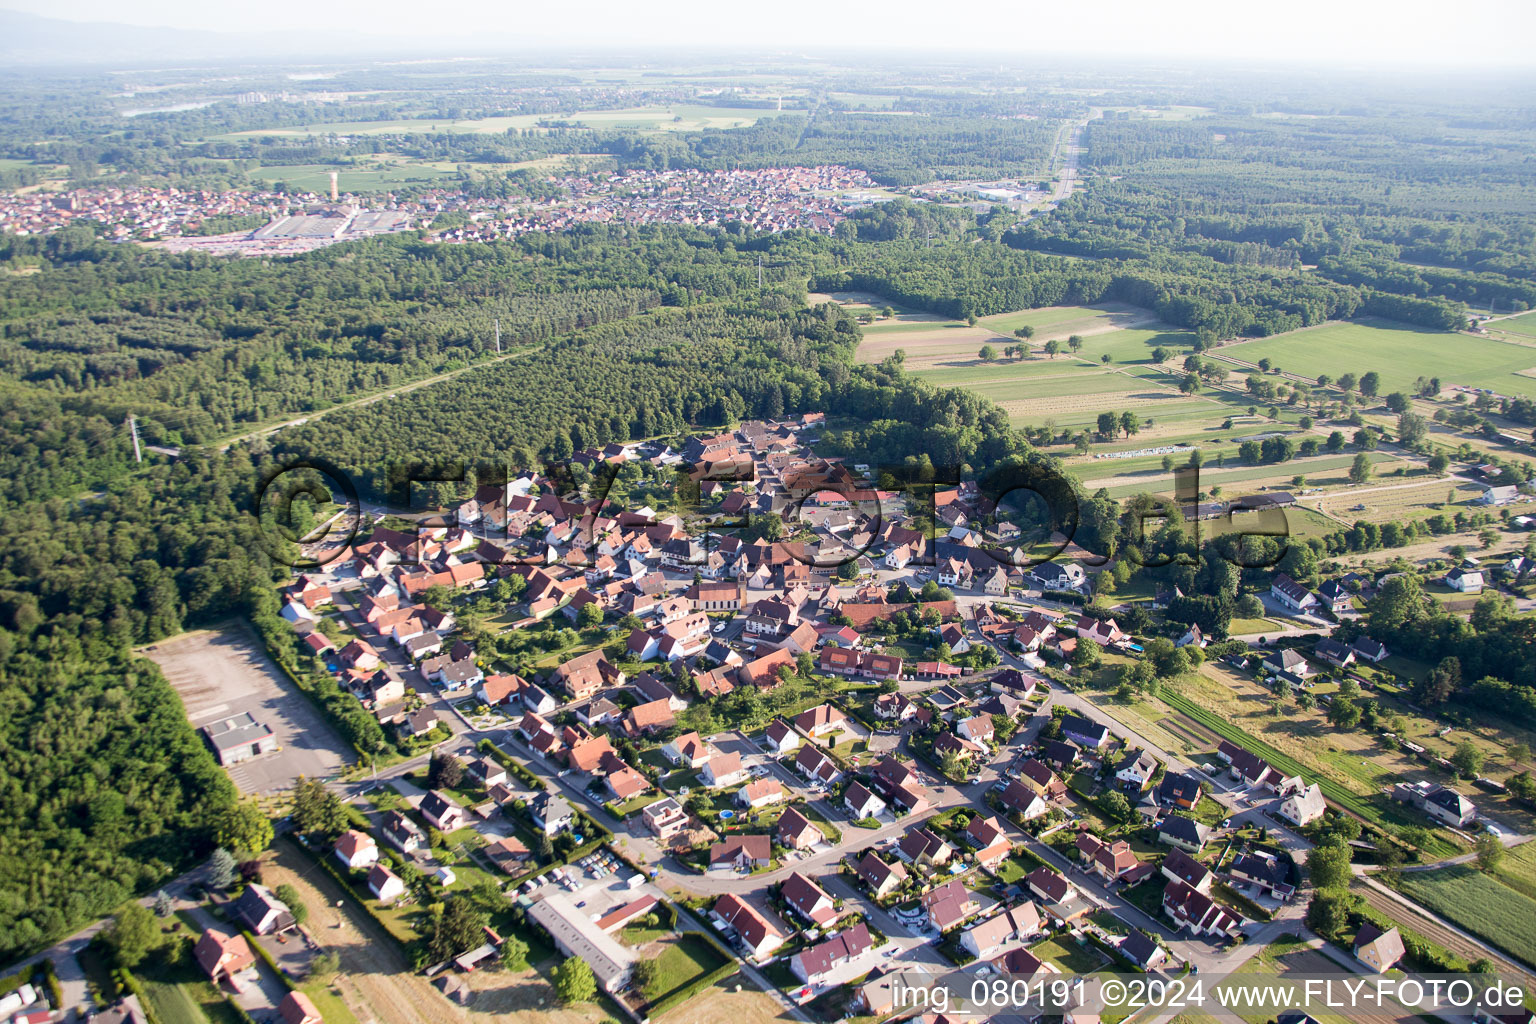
[1291, 594]
[583, 676]
[664, 818]
[1191, 909]
[1179, 866]
[1304, 807]
[1185, 833]
[809, 901]
[989, 839]
[402, 833]
[1136, 769]
[1379, 950]
[1441, 803]
[1042, 780]
[950, 905]
[750, 928]
[742, 853]
[551, 813]
[261, 911]
[817, 963]
[894, 707]
[987, 938]
[222, 955]
[797, 832]
[441, 811]
[882, 878]
[760, 793]
[1142, 950]
[1340, 655]
[356, 849]
[1020, 799]
[1085, 733]
[298, 1008]
[779, 737]
[1289, 665]
[821, 720]
[861, 803]
[1179, 789]
[688, 751]
[977, 729]
[815, 765]
[1336, 597]
[1467, 581]
[1262, 872]
[722, 770]
[385, 885]
[924, 848]
[1370, 650]
[1112, 862]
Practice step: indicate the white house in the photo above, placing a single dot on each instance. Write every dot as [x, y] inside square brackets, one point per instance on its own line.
[1304, 807]
[1291, 594]
[357, 849]
[861, 803]
[1468, 581]
[1498, 495]
[385, 885]
[722, 770]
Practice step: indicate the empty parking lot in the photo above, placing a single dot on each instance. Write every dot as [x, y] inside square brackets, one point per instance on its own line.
[223, 672]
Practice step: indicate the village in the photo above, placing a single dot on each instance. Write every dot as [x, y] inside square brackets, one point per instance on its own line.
[843, 762]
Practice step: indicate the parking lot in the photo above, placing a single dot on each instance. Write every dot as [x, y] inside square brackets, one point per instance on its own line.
[223, 672]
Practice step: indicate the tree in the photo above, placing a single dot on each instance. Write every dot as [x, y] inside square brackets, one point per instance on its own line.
[133, 935]
[444, 771]
[1369, 384]
[1116, 807]
[1026, 332]
[1075, 342]
[1411, 429]
[1518, 752]
[318, 811]
[457, 928]
[1344, 713]
[1360, 470]
[164, 906]
[514, 953]
[221, 869]
[1397, 402]
[1490, 852]
[1052, 348]
[1106, 424]
[1468, 759]
[1088, 656]
[574, 982]
[1129, 423]
[644, 974]
[294, 902]
[1439, 463]
[590, 615]
[987, 354]
[1328, 866]
[245, 828]
[1335, 441]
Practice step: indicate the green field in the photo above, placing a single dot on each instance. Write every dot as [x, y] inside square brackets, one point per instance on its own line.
[1466, 897]
[672, 118]
[1398, 352]
[1524, 325]
[317, 177]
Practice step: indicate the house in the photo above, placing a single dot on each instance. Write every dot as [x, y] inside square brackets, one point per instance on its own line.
[861, 803]
[298, 1008]
[987, 938]
[742, 853]
[1179, 866]
[1340, 655]
[1288, 664]
[810, 901]
[817, 766]
[385, 885]
[1016, 684]
[1040, 779]
[222, 955]
[923, 847]
[1105, 633]
[1112, 862]
[882, 878]
[978, 729]
[750, 928]
[441, 812]
[796, 832]
[239, 738]
[1179, 789]
[1020, 965]
[760, 793]
[1018, 798]
[1291, 594]
[1189, 908]
[583, 676]
[779, 737]
[664, 817]
[1336, 597]
[1379, 950]
[1059, 576]
[1085, 733]
[688, 751]
[894, 707]
[1192, 637]
[1441, 803]
[1058, 897]
[989, 839]
[722, 770]
[1136, 769]
[551, 813]
[816, 964]
[1185, 833]
[509, 854]
[1264, 873]
[1498, 495]
[402, 833]
[1142, 950]
[356, 849]
[261, 911]
[489, 771]
[1370, 650]
[995, 583]
[820, 720]
[650, 717]
[1060, 754]
[626, 783]
[950, 905]
[1468, 581]
[1305, 806]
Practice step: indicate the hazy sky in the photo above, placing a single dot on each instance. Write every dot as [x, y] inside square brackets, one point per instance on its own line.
[1464, 33]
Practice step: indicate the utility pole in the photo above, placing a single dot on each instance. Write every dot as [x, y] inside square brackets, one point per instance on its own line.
[498, 335]
[133, 428]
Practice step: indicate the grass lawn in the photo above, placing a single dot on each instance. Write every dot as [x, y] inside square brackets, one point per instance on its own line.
[1492, 911]
[1398, 352]
[183, 995]
[690, 957]
[330, 1004]
[1010, 870]
[1069, 956]
[1147, 895]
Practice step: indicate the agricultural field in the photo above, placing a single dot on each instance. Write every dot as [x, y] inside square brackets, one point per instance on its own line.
[1477, 903]
[671, 118]
[1523, 326]
[1398, 352]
